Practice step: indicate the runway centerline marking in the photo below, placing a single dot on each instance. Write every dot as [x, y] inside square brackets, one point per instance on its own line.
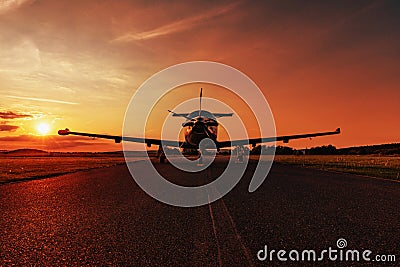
[215, 232]
[232, 227]
[237, 235]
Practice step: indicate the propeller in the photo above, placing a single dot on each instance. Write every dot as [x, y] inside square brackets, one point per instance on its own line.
[202, 125]
[207, 131]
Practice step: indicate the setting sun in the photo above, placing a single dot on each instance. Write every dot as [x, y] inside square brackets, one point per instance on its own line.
[43, 128]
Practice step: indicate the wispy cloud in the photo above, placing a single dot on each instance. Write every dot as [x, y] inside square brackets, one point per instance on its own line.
[7, 5]
[176, 26]
[42, 100]
[4, 127]
[13, 115]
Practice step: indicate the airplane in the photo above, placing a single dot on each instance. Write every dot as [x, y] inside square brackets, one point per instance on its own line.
[199, 124]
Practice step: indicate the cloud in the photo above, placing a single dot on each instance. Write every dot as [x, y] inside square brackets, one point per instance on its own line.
[13, 115]
[176, 26]
[8, 5]
[42, 100]
[21, 57]
[8, 128]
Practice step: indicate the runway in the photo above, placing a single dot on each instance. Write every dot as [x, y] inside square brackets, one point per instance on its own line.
[102, 217]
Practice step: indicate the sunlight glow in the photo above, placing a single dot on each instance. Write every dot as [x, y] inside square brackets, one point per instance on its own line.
[43, 128]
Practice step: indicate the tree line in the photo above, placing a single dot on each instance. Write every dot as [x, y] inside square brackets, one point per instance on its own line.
[384, 149]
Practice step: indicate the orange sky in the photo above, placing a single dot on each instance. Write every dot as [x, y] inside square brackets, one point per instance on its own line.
[320, 65]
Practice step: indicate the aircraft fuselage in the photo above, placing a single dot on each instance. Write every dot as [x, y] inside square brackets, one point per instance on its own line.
[194, 134]
[199, 128]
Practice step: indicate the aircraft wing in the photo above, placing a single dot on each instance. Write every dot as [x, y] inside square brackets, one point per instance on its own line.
[118, 139]
[285, 139]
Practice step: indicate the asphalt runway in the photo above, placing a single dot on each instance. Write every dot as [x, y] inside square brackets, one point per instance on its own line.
[101, 217]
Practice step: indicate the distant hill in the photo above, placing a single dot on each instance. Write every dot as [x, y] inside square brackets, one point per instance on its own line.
[26, 152]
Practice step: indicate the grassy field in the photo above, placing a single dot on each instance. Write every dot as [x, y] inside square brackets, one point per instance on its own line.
[20, 168]
[372, 165]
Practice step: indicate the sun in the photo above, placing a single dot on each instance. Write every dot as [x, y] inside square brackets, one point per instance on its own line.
[43, 128]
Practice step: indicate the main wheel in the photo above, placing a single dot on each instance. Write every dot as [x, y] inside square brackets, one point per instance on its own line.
[162, 158]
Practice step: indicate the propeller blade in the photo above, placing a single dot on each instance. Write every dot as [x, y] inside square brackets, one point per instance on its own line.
[207, 131]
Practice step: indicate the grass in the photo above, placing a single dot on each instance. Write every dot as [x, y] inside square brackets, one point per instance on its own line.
[24, 168]
[372, 165]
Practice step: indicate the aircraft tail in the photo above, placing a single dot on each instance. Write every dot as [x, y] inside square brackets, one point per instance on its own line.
[217, 115]
[201, 96]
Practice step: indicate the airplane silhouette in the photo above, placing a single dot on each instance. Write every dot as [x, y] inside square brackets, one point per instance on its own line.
[199, 124]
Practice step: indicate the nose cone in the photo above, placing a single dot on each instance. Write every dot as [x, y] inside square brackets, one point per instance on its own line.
[198, 128]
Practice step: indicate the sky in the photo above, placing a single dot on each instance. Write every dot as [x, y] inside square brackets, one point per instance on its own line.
[76, 64]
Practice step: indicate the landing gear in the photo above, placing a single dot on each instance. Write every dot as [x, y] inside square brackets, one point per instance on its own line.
[162, 158]
[240, 154]
[161, 154]
[200, 158]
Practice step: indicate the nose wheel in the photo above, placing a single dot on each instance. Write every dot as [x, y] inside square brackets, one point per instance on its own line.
[201, 160]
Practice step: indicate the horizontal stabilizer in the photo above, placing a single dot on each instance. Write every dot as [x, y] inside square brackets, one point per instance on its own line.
[219, 115]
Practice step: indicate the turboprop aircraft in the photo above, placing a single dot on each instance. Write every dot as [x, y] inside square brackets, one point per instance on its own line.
[200, 124]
